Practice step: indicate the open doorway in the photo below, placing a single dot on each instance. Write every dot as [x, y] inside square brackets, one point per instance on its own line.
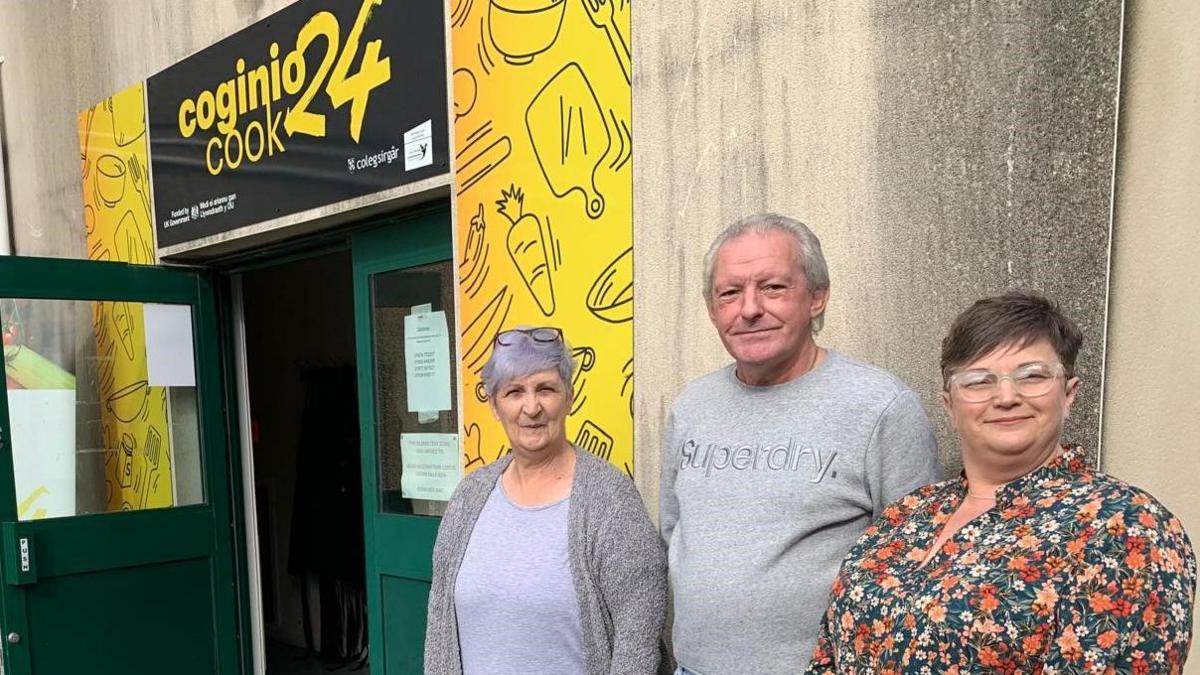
[300, 369]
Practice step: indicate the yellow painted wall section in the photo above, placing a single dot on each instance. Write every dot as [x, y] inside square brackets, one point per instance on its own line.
[114, 157]
[544, 191]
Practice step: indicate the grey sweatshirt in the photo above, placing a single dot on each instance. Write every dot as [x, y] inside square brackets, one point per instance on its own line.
[617, 566]
[763, 491]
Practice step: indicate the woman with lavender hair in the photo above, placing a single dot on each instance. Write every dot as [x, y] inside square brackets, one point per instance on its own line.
[546, 561]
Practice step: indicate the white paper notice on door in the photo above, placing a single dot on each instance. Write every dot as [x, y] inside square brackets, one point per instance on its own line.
[427, 362]
[430, 466]
[43, 447]
[170, 357]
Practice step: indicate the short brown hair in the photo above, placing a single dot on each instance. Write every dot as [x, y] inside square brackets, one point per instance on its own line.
[1017, 318]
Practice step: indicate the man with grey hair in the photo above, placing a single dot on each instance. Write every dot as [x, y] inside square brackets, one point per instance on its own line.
[775, 464]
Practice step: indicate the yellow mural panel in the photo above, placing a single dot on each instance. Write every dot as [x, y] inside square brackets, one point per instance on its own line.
[117, 212]
[542, 103]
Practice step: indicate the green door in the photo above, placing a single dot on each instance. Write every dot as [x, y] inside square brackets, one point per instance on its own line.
[404, 316]
[115, 517]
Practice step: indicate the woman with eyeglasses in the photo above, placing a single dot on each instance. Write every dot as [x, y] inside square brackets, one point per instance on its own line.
[545, 561]
[1030, 561]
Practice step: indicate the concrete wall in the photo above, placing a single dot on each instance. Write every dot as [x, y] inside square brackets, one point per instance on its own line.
[1152, 392]
[942, 151]
[62, 57]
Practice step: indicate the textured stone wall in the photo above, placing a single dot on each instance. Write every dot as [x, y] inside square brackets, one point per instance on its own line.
[62, 57]
[942, 151]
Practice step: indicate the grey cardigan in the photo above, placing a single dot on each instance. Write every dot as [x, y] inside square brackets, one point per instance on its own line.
[617, 563]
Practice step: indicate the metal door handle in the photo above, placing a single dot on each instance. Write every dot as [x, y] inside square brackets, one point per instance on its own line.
[14, 637]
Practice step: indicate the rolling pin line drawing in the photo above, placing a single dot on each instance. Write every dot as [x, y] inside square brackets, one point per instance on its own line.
[566, 107]
[481, 330]
[603, 14]
[611, 295]
[480, 155]
[527, 247]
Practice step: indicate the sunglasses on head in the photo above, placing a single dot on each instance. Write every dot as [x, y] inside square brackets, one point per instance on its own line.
[545, 334]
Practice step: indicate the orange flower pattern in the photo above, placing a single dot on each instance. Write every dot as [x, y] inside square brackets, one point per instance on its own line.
[1072, 571]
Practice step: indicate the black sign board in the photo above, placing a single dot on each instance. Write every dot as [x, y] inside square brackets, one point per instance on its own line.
[323, 101]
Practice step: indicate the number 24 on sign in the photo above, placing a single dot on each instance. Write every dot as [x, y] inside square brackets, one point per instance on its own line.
[342, 87]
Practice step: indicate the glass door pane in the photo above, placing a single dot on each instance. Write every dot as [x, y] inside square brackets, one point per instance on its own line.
[102, 404]
[413, 330]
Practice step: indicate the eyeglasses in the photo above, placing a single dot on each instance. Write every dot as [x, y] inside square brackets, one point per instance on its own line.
[545, 335]
[1030, 380]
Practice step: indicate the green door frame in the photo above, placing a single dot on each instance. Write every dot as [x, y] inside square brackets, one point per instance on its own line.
[110, 541]
[233, 469]
[225, 270]
[396, 544]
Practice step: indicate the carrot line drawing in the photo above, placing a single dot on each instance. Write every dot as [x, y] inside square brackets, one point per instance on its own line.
[526, 243]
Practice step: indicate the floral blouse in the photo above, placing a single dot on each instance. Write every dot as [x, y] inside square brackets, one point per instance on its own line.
[1072, 571]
